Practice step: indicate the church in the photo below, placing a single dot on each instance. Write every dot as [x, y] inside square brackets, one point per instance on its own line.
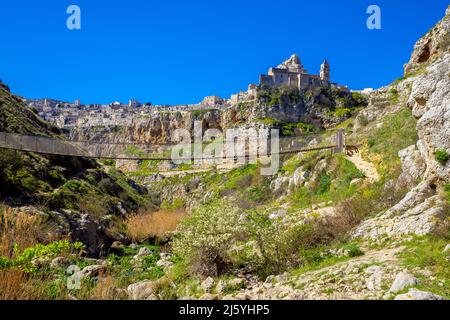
[292, 73]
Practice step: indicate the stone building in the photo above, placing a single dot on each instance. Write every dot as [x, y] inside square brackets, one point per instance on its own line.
[292, 73]
[250, 94]
[212, 101]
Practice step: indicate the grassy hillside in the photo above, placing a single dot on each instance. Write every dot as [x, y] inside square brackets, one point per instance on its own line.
[57, 183]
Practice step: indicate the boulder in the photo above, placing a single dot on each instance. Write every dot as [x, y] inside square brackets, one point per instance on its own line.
[279, 185]
[413, 166]
[402, 281]
[207, 284]
[221, 286]
[144, 251]
[374, 280]
[236, 283]
[299, 177]
[91, 271]
[164, 263]
[140, 290]
[414, 294]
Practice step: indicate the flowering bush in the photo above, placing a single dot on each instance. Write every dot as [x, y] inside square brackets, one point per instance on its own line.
[206, 236]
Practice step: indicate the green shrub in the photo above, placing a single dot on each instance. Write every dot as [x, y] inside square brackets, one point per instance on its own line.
[358, 96]
[353, 250]
[268, 121]
[324, 184]
[394, 95]
[73, 185]
[344, 112]
[24, 259]
[288, 129]
[56, 177]
[176, 203]
[6, 263]
[442, 156]
[280, 245]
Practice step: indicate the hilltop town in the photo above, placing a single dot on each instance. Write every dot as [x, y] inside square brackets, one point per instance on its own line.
[290, 74]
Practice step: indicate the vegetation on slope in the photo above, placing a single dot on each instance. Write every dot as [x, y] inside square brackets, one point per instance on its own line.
[58, 183]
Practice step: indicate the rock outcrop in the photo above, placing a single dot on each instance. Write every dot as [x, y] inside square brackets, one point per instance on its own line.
[429, 100]
[430, 103]
[433, 45]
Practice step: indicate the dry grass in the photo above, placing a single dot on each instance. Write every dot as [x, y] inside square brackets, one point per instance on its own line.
[21, 229]
[156, 224]
[107, 289]
[12, 282]
[17, 228]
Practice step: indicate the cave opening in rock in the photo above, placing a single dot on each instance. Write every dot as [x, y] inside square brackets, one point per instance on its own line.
[425, 54]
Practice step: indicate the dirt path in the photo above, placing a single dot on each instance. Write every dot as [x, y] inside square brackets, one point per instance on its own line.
[365, 167]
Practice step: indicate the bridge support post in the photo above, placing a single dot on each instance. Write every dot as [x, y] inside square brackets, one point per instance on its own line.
[339, 142]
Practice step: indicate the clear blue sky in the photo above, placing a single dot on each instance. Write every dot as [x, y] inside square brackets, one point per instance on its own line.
[178, 51]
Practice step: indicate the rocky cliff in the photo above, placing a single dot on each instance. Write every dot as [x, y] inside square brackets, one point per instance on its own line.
[320, 107]
[431, 46]
[428, 96]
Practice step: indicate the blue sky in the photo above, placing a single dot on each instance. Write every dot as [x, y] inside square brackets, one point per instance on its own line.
[178, 51]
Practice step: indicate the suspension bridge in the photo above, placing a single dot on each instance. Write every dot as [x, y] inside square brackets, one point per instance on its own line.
[121, 151]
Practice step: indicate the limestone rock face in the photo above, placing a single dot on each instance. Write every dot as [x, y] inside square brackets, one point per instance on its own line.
[430, 103]
[430, 99]
[299, 177]
[432, 45]
[415, 214]
[279, 185]
[380, 105]
[413, 166]
[157, 129]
